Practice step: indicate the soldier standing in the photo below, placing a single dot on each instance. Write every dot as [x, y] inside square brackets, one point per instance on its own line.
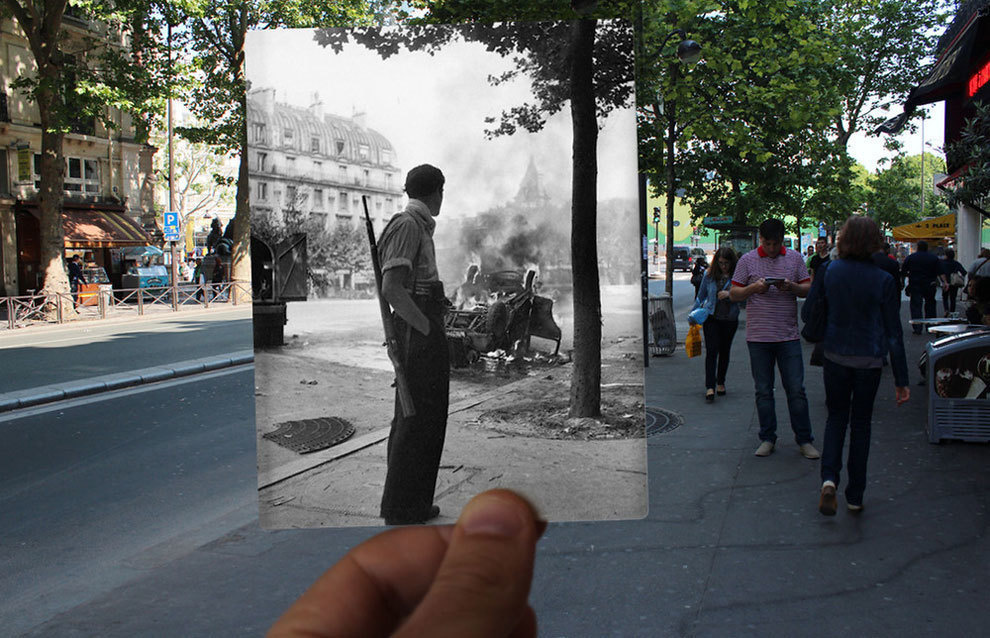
[411, 285]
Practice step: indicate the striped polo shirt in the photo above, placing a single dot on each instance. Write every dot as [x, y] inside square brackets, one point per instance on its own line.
[771, 316]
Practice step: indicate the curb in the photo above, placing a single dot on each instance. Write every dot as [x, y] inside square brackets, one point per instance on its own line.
[85, 387]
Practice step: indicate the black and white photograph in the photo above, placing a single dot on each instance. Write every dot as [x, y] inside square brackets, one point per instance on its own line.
[446, 272]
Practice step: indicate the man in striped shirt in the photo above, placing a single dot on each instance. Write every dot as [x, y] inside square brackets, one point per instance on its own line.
[770, 279]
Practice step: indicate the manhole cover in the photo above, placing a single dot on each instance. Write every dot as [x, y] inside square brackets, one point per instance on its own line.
[659, 421]
[311, 435]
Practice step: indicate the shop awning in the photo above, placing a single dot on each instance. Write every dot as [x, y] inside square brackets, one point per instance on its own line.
[948, 76]
[96, 228]
[934, 228]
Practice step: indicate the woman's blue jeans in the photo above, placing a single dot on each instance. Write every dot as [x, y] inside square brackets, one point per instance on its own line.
[849, 396]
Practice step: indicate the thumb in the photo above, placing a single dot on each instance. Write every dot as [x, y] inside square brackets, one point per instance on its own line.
[482, 585]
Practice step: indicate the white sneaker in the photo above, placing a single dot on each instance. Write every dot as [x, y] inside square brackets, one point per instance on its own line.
[765, 449]
[809, 452]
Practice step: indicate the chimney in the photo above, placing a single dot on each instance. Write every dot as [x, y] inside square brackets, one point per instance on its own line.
[316, 105]
[360, 118]
[267, 99]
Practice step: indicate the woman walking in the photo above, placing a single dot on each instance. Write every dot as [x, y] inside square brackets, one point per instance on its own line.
[949, 266]
[863, 324]
[722, 322]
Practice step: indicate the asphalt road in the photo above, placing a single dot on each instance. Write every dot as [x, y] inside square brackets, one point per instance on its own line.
[35, 357]
[96, 492]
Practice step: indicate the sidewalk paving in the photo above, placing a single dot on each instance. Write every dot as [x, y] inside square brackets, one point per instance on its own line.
[739, 539]
[342, 486]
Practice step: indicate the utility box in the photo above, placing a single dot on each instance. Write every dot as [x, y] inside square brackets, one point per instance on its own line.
[278, 275]
[958, 372]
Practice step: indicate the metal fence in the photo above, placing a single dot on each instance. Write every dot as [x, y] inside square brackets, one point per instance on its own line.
[57, 308]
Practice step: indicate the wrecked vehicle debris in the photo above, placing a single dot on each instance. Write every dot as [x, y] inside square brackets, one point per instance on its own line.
[500, 311]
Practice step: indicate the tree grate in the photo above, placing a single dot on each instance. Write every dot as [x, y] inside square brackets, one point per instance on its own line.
[311, 435]
[659, 421]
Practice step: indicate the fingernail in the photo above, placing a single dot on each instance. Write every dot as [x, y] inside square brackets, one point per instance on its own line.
[492, 516]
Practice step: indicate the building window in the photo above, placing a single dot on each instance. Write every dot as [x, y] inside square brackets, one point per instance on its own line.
[367, 177]
[386, 156]
[342, 174]
[318, 170]
[287, 136]
[259, 132]
[82, 176]
[343, 201]
[388, 181]
[364, 152]
[262, 162]
[340, 147]
[314, 144]
[290, 165]
[4, 178]
[388, 204]
[317, 199]
[290, 196]
[331, 201]
[262, 191]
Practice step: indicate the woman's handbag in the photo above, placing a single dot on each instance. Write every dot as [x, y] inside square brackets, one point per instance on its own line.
[816, 315]
[698, 316]
[956, 280]
[692, 343]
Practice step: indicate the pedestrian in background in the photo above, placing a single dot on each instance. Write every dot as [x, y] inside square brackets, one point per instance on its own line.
[819, 257]
[922, 271]
[76, 277]
[950, 289]
[698, 273]
[770, 279]
[723, 319]
[863, 323]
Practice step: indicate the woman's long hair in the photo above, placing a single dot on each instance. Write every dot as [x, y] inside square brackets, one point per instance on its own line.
[715, 270]
[859, 238]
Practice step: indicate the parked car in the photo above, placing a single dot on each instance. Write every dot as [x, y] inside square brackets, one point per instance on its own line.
[682, 259]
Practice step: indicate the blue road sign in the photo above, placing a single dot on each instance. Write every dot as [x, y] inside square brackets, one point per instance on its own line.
[170, 225]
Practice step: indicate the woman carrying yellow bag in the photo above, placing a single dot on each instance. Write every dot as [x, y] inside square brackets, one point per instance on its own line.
[718, 316]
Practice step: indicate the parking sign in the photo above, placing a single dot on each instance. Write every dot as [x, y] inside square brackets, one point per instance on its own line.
[171, 226]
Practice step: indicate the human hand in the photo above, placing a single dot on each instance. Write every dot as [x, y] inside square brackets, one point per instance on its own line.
[760, 287]
[723, 294]
[470, 579]
[902, 394]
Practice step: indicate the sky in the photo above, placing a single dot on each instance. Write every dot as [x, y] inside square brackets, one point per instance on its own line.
[868, 150]
[432, 109]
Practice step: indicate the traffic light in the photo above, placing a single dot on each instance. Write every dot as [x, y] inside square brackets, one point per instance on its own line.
[656, 215]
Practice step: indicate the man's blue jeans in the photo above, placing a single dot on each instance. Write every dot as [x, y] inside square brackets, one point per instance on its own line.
[789, 360]
[849, 395]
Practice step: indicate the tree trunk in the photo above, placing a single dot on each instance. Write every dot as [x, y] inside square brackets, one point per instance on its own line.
[241, 251]
[51, 195]
[240, 254]
[586, 392]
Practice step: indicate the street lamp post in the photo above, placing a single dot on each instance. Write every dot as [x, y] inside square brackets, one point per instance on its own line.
[688, 52]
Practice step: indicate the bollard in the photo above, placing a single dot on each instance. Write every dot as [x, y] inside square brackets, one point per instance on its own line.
[102, 301]
[58, 308]
[140, 296]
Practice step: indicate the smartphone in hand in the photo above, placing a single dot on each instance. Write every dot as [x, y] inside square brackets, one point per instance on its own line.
[774, 281]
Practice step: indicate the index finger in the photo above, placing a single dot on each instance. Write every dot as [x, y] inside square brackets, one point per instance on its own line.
[372, 589]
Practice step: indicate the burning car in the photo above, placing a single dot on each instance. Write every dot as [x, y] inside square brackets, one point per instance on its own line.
[500, 311]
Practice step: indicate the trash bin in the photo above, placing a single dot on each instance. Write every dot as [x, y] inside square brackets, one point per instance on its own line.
[958, 374]
[663, 332]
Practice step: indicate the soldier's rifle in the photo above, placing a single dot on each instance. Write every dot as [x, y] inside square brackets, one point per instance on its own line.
[391, 340]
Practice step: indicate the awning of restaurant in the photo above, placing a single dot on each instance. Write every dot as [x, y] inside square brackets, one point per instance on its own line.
[100, 227]
[934, 228]
[950, 73]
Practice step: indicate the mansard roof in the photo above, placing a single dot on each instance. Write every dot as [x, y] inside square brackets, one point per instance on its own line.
[331, 130]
